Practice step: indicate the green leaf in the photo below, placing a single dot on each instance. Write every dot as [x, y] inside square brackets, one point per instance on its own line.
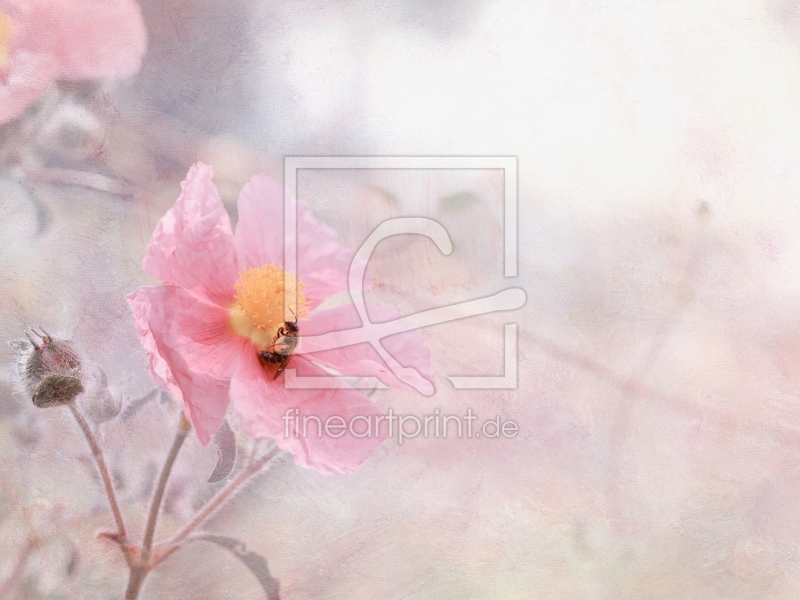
[253, 561]
[225, 442]
[458, 202]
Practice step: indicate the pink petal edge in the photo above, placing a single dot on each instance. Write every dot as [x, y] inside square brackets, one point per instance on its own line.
[28, 77]
[203, 396]
[362, 360]
[88, 39]
[261, 405]
[192, 245]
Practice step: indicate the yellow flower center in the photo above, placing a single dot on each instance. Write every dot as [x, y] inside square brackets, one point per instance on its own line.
[5, 39]
[262, 303]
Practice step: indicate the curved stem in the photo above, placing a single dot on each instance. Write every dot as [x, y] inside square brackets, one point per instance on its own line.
[19, 566]
[93, 181]
[155, 505]
[122, 534]
[139, 571]
[250, 469]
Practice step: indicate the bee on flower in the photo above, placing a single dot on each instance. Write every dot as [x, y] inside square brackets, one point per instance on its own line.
[215, 331]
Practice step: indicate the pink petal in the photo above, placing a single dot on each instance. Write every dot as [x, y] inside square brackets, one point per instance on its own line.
[323, 265]
[28, 77]
[192, 245]
[87, 38]
[407, 348]
[196, 328]
[262, 405]
[259, 230]
[191, 353]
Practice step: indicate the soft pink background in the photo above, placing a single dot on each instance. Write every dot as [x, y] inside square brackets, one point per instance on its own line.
[659, 349]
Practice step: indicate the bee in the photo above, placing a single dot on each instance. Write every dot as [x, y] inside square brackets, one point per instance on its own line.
[283, 347]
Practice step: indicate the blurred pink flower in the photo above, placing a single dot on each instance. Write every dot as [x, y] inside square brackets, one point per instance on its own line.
[223, 301]
[45, 40]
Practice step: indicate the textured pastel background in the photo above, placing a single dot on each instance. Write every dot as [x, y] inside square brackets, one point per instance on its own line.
[659, 186]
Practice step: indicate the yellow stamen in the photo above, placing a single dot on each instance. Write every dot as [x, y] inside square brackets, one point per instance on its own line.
[6, 30]
[261, 304]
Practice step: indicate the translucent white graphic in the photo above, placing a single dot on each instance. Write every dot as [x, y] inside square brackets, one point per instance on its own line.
[373, 333]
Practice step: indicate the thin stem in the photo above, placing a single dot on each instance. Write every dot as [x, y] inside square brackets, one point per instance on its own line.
[122, 533]
[155, 505]
[251, 468]
[139, 572]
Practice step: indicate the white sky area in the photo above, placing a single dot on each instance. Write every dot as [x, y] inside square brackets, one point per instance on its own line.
[612, 107]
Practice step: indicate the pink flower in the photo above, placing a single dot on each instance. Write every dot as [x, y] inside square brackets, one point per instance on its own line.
[45, 40]
[223, 301]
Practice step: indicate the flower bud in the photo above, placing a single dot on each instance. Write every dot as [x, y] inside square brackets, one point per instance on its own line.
[98, 403]
[73, 134]
[55, 390]
[50, 369]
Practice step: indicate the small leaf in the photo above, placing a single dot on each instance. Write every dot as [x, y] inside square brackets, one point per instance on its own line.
[458, 202]
[386, 196]
[253, 561]
[134, 405]
[74, 561]
[44, 216]
[225, 442]
[56, 390]
[99, 405]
